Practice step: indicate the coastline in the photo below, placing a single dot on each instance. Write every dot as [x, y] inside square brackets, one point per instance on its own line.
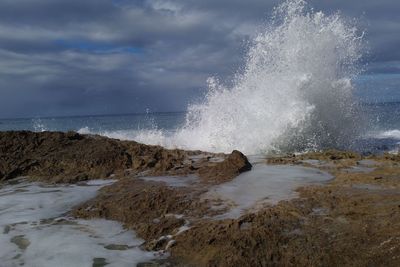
[351, 219]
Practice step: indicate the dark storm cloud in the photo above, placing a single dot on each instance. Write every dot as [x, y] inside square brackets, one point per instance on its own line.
[60, 57]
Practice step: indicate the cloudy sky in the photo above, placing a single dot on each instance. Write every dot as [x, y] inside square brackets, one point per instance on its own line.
[70, 57]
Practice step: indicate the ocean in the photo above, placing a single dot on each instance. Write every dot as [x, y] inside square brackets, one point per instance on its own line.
[298, 90]
[381, 131]
[99, 124]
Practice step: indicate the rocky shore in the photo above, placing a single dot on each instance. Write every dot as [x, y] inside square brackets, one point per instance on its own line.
[165, 196]
[59, 157]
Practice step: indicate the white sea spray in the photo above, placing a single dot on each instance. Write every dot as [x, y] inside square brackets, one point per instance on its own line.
[295, 92]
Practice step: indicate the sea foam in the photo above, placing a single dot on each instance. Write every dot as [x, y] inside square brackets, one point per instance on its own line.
[294, 93]
[35, 232]
[263, 185]
[393, 134]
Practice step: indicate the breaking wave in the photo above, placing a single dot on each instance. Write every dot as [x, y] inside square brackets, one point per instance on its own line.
[295, 92]
[391, 134]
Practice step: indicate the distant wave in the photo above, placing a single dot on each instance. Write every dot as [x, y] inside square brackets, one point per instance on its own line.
[147, 136]
[392, 134]
[38, 125]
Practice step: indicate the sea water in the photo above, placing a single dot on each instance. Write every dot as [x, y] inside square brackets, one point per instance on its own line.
[263, 185]
[382, 133]
[301, 88]
[34, 229]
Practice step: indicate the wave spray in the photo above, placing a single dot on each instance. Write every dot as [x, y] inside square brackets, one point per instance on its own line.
[294, 94]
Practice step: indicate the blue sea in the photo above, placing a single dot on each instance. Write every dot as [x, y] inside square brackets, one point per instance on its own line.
[98, 123]
[381, 130]
[299, 89]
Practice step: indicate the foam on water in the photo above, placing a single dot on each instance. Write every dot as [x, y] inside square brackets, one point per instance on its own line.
[393, 134]
[34, 231]
[264, 184]
[33, 202]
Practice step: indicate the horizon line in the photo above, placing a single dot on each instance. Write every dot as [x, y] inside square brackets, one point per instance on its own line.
[144, 113]
[90, 115]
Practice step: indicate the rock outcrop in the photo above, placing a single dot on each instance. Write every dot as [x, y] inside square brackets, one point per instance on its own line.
[358, 209]
[72, 157]
[354, 220]
[223, 171]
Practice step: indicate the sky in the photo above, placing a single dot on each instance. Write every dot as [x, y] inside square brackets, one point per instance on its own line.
[76, 57]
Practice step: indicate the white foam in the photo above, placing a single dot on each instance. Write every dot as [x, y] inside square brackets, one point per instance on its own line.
[76, 244]
[394, 134]
[146, 136]
[263, 184]
[84, 130]
[99, 182]
[38, 125]
[294, 93]
[34, 232]
[32, 202]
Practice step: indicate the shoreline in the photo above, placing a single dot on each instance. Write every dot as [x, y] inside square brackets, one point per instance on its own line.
[352, 219]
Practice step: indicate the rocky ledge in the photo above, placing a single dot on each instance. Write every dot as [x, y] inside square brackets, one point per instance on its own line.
[351, 220]
[59, 157]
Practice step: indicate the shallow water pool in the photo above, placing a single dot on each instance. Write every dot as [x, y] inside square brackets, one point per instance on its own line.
[35, 231]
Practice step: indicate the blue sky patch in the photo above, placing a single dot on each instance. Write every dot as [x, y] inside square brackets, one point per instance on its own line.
[96, 47]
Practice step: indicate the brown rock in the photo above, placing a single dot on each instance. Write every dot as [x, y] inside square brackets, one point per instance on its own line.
[71, 157]
[63, 157]
[150, 208]
[321, 228]
[233, 165]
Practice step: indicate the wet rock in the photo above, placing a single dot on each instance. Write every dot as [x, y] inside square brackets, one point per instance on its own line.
[62, 157]
[6, 229]
[224, 171]
[149, 208]
[290, 234]
[321, 228]
[328, 157]
[392, 157]
[71, 157]
[148, 264]
[99, 262]
[116, 247]
[21, 242]
[156, 245]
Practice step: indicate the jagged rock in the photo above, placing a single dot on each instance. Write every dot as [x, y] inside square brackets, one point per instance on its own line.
[152, 209]
[233, 165]
[71, 157]
[62, 157]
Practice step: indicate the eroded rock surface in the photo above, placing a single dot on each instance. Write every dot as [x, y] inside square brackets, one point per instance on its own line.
[320, 228]
[352, 220]
[72, 157]
[223, 171]
[150, 208]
